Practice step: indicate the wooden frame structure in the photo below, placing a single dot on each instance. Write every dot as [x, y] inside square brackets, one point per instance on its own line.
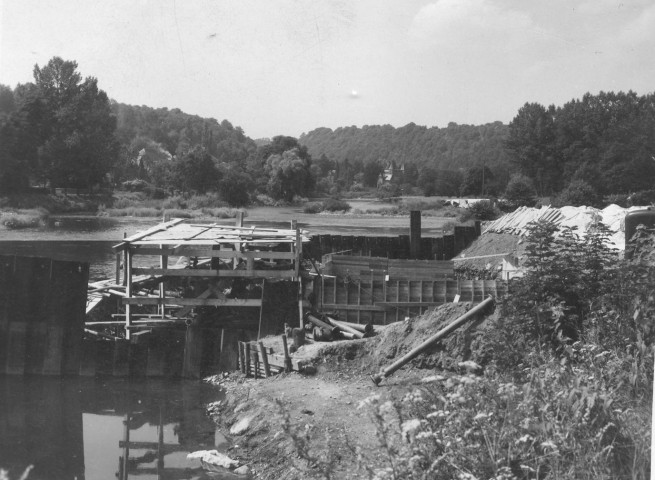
[209, 253]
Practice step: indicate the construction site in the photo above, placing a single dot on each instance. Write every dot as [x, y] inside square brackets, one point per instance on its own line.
[327, 319]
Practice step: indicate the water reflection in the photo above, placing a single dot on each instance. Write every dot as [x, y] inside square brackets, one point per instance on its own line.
[90, 429]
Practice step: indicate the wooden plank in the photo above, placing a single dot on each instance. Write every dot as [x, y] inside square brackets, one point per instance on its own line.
[264, 356]
[150, 231]
[168, 272]
[365, 308]
[196, 302]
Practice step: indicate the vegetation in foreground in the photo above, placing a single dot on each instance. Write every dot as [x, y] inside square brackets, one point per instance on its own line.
[567, 380]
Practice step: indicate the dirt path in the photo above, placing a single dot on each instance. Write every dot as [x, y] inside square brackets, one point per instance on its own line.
[323, 408]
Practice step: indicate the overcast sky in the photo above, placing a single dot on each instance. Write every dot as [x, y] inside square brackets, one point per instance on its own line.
[289, 66]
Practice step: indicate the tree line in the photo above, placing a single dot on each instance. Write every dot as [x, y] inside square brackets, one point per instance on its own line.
[600, 145]
[62, 130]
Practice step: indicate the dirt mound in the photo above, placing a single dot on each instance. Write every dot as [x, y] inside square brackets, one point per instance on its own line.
[397, 339]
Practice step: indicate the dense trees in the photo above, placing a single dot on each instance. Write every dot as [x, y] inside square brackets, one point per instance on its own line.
[289, 174]
[606, 140]
[62, 131]
[59, 129]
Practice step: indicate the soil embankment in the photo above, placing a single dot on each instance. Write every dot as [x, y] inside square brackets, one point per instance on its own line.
[294, 426]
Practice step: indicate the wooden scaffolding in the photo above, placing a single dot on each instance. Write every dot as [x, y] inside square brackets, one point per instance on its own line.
[198, 264]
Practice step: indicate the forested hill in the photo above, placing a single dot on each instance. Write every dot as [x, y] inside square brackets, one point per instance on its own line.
[451, 148]
[176, 132]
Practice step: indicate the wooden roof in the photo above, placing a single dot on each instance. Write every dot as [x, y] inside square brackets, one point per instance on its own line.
[176, 232]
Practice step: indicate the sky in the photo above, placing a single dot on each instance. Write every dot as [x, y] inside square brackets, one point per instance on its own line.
[284, 67]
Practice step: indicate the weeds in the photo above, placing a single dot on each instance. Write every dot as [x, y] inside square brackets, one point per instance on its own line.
[19, 219]
[567, 384]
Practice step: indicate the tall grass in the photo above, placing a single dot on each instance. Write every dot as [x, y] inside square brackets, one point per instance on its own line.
[18, 219]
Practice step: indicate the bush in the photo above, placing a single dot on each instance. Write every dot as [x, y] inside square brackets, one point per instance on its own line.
[223, 212]
[313, 207]
[24, 219]
[644, 197]
[388, 191]
[136, 185]
[578, 193]
[483, 210]
[520, 191]
[335, 205]
[617, 199]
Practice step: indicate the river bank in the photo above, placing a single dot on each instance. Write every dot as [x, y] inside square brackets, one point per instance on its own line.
[456, 411]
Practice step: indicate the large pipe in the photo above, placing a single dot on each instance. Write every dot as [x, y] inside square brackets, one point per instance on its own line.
[365, 328]
[387, 371]
[345, 328]
[311, 317]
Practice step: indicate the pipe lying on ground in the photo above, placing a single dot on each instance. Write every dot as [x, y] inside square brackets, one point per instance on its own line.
[311, 317]
[387, 371]
[345, 328]
[365, 328]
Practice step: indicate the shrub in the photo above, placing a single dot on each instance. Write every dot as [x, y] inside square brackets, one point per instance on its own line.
[24, 218]
[313, 207]
[577, 194]
[136, 185]
[134, 212]
[422, 204]
[388, 191]
[644, 197]
[177, 213]
[335, 205]
[520, 191]
[617, 199]
[482, 210]
[223, 212]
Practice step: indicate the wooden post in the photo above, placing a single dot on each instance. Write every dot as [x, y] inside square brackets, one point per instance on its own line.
[247, 355]
[242, 357]
[297, 274]
[287, 359]
[255, 362]
[237, 245]
[415, 234]
[163, 263]
[128, 292]
[262, 351]
[118, 269]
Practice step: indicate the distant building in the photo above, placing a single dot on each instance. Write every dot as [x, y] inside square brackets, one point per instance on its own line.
[390, 173]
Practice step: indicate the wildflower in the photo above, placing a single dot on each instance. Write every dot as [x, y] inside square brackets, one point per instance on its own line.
[466, 476]
[438, 414]
[425, 435]
[468, 380]
[481, 416]
[367, 402]
[410, 426]
[548, 444]
[469, 365]
[525, 439]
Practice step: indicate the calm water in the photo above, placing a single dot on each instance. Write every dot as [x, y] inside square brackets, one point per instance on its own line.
[80, 428]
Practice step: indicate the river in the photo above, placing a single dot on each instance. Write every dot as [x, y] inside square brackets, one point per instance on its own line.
[77, 428]
[72, 428]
